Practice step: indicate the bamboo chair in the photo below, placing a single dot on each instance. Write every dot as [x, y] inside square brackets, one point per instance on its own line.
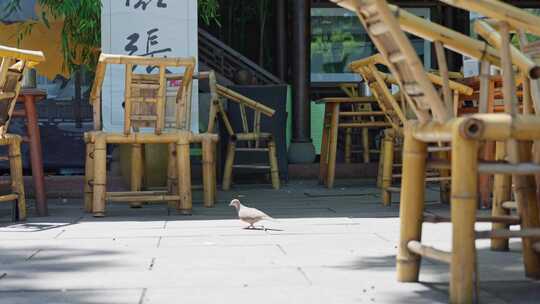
[465, 134]
[145, 106]
[397, 114]
[351, 90]
[336, 119]
[255, 140]
[13, 62]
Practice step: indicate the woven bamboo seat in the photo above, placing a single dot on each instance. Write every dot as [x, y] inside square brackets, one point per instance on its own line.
[13, 62]
[145, 106]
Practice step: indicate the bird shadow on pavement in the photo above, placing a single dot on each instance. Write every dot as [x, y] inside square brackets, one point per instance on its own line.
[262, 229]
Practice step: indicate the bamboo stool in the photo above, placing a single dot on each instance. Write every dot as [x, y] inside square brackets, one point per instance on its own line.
[13, 62]
[145, 109]
[351, 89]
[255, 140]
[465, 134]
[333, 121]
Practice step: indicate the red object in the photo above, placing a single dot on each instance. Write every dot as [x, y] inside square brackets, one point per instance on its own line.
[29, 97]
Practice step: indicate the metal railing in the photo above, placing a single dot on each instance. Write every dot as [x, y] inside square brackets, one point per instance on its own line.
[225, 61]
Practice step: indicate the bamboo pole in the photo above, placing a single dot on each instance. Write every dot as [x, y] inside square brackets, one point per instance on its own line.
[209, 173]
[142, 60]
[127, 98]
[348, 145]
[274, 169]
[323, 159]
[149, 138]
[161, 100]
[463, 214]
[429, 252]
[502, 192]
[100, 175]
[388, 164]
[525, 64]
[229, 162]
[443, 68]
[451, 39]
[517, 18]
[89, 178]
[136, 171]
[172, 175]
[17, 181]
[412, 66]
[412, 205]
[332, 146]
[183, 164]
[380, 167]
[525, 193]
[365, 145]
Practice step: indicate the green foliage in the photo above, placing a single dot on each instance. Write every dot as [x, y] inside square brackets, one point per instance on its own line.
[81, 32]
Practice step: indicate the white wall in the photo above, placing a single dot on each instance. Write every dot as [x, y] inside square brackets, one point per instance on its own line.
[173, 27]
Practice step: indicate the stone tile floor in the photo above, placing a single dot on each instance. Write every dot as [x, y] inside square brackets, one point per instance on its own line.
[327, 246]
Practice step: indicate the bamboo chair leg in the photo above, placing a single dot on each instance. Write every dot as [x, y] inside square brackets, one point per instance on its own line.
[463, 215]
[89, 178]
[412, 206]
[209, 173]
[380, 168]
[485, 180]
[17, 182]
[100, 175]
[323, 162]
[183, 164]
[502, 192]
[172, 175]
[388, 163]
[348, 145]
[536, 160]
[525, 194]
[274, 168]
[444, 195]
[365, 145]
[332, 148]
[229, 162]
[136, 171]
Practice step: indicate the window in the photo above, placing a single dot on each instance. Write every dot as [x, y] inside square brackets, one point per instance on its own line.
[338, 38]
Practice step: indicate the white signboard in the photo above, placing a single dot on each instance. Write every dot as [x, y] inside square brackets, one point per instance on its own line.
[155, 28]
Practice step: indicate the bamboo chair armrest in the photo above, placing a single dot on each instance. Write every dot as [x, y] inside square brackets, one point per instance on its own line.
[362, 99]
[26, 55]
[244, 100]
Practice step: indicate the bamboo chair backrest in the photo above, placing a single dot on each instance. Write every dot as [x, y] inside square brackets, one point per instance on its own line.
[250, 130]
[386, 100]
[13, 62]
[401, 58]
[145, 95]
[245, 104]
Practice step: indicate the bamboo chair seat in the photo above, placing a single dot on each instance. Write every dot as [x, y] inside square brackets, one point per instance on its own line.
[145, 106]
[435, 124]
[250, 135]
[13, 62]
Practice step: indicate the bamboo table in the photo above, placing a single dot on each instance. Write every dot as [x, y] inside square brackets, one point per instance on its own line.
[331, 125]
[29, 97]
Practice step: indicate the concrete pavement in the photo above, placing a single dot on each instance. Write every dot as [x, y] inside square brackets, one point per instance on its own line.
[327, 246]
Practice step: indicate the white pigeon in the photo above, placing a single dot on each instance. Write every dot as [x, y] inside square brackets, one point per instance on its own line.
[249, 215]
